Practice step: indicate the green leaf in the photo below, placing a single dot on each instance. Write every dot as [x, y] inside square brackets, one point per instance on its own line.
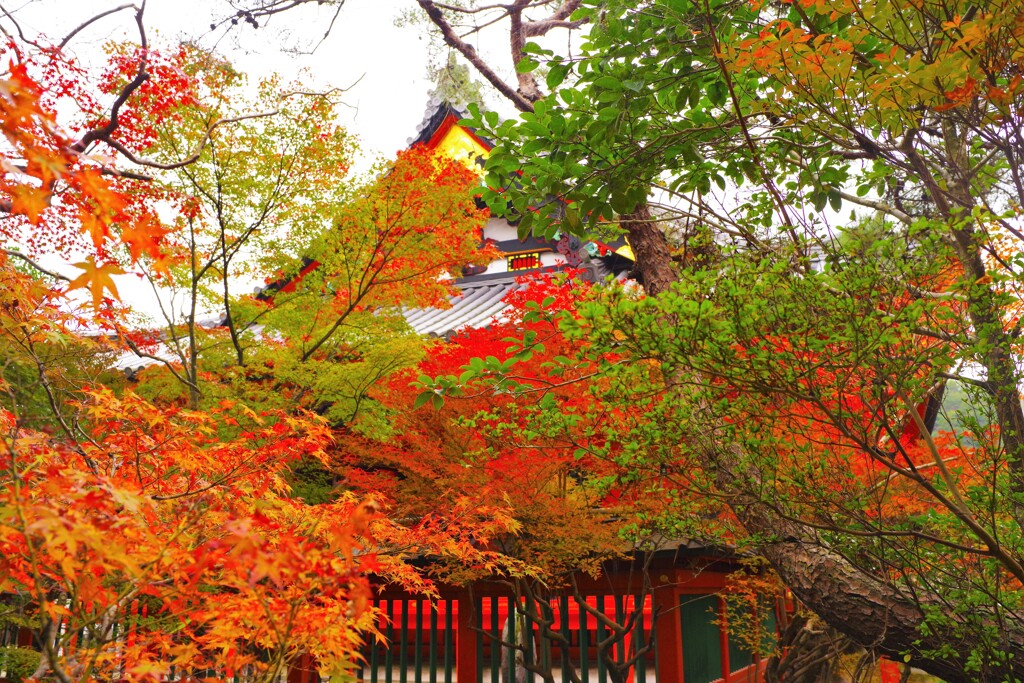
[532, 48]
[556, 75]
[819, 200]
[683, 96]
[526, 65]
[716, 93]
[834, 200]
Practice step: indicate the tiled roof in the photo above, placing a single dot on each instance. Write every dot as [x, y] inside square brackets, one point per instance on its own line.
[477, 305]
[437, 111]
[481, 300]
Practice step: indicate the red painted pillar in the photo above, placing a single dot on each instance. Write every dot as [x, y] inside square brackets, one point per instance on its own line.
[465, 641]
[25, 637]
[723, 639]
[303, 670]
[669, 632]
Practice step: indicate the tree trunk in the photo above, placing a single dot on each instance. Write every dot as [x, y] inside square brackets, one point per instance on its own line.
[874, 613]
[808, 652]
[653, 256]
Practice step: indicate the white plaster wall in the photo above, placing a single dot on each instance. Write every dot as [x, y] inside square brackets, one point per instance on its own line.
[551, 258]
[499, 230]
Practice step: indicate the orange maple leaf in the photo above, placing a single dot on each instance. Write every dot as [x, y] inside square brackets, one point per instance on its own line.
[97, 279]
[144, 237]
[29, 201]
[99, 205]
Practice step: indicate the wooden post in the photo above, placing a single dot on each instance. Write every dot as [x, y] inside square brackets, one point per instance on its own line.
[303, 670]
[668, 631]
[465, 641]
[723, 638]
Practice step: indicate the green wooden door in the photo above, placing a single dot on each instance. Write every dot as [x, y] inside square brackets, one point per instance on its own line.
[702, 648]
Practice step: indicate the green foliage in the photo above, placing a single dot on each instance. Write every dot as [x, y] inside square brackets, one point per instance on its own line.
[19, 663]
[313, 483]
[66, 364]
[805, 375]
[454, 82]
[269, 195]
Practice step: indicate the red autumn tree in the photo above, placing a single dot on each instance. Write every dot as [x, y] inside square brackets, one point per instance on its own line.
[137, 536]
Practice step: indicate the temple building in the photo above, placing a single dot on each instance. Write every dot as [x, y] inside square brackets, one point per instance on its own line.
[484, 288]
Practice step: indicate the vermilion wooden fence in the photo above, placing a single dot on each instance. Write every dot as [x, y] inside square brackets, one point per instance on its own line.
[466, 636]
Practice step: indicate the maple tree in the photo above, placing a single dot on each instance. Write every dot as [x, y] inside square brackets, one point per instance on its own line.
[138, 537]
[567, 483]
[387, 247]
[251, 180]
[426, 451]
[261, 187]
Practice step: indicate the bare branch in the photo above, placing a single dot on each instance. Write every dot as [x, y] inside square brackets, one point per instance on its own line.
[558, 19]
[44, 271]
[980, 383]
[17, 27]
[470, 10]
[323, 93]
[192, 158]
[78, 29]
[944, 336]
[877, 206]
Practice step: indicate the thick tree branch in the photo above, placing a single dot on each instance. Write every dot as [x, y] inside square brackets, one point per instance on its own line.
[558, 19]
[528, 87]
[469, 52]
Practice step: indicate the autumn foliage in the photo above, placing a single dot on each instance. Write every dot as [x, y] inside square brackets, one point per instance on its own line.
[144, 536]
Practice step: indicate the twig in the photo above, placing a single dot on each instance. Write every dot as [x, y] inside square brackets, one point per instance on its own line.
[87, 22]
[44, 271]
[192, 158]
